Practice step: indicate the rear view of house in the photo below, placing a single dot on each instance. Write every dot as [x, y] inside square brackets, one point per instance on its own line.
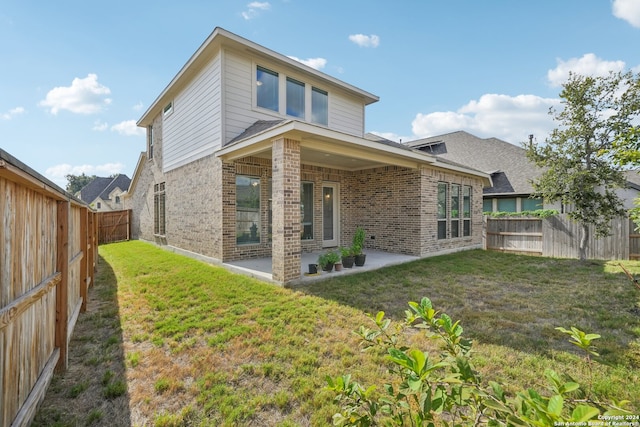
[253, 154]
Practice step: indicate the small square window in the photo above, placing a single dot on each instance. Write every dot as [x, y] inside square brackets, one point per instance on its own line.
[168, 109]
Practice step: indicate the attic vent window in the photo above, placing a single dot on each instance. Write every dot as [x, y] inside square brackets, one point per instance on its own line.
[168, 109]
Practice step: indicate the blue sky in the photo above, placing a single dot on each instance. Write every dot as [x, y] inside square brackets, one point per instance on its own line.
[77, 75]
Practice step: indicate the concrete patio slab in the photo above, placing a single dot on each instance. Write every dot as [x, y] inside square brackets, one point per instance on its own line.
[260, 268]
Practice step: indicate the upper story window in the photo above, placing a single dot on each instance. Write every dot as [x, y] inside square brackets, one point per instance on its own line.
[168, 109]
[267, 89]
[295, 98]
[319, 106]
[118, 199]
[298, 98]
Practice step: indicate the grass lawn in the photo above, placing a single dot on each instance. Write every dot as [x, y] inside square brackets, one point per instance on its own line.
[171, 341]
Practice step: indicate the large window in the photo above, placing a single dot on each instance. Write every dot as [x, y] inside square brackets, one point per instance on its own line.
[267, 89]
[531, 204]
[319, 106]
[300, 100]
[159, 217]
[306, 210]
[455, 220]
[456, 213]
[295, 98]
[487, 205]
[247, 210]
[442, 210]
[466, 210]
[507, 205]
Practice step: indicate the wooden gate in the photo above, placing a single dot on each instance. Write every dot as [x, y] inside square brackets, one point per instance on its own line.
[114, 226]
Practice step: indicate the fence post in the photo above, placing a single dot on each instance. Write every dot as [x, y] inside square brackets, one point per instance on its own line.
[62, 265]
[84, 247]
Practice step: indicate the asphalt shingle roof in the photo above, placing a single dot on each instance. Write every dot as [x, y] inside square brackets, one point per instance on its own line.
[101, 187]
[507, 164]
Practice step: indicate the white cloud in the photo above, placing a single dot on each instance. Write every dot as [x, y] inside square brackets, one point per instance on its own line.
[511, 118]
[100, 126]
[588, 65]
[58, 173]
[84, 96]
[12, 113]
[315, 63]
[128, 128]
[138, 107]
[365, 41]
[627, 10]
[254, 8]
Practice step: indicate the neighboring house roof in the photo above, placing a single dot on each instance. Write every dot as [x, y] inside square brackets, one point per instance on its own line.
[101, 187]
[510, 169]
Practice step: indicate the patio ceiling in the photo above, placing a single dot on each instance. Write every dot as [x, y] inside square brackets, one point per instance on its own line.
[327, 148]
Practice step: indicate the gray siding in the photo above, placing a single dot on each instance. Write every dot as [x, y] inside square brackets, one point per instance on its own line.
[193, 130]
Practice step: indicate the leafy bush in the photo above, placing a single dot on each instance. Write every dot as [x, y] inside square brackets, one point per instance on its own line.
[445, 389]
[539, 213]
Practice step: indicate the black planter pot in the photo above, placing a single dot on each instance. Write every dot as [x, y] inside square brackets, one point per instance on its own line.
[313, 268]
[360, 259]
[347, 262]
[328, 267]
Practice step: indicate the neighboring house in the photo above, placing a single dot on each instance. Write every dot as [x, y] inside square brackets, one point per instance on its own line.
[510, 169]
[511, 172]
[251, 154]
[105, 194]
[632, 192]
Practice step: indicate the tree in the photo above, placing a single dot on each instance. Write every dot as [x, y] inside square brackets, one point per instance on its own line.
[75, 183]
[579, 169]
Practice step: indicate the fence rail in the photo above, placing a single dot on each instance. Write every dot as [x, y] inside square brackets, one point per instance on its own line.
[559, 237]
[48, 249]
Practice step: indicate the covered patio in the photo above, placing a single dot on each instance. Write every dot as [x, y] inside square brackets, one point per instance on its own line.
[261, 268]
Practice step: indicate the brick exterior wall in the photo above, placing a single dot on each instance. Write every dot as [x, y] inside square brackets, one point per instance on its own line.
[193, 208]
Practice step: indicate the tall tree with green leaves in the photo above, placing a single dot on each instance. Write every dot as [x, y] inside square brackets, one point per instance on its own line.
[75, 183]
[578, 168]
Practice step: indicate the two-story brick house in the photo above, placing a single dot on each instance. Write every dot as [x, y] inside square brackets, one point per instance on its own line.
[253, 154]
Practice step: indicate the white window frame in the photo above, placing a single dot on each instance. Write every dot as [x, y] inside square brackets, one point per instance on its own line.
[168, 109]
[282, 94]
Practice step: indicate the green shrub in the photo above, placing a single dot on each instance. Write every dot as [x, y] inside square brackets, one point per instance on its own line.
[446, 389]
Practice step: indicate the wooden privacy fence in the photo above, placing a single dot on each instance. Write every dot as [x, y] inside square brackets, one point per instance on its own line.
[115, 226]
[559, 237]
[48, 250]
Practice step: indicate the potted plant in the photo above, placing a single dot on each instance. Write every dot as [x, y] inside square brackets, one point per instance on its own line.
[327, 260]
[347, 257]
[358, 245]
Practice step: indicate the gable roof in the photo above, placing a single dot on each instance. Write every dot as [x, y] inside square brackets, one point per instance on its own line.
[510, 169]
[101, 187]
[221, 38]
